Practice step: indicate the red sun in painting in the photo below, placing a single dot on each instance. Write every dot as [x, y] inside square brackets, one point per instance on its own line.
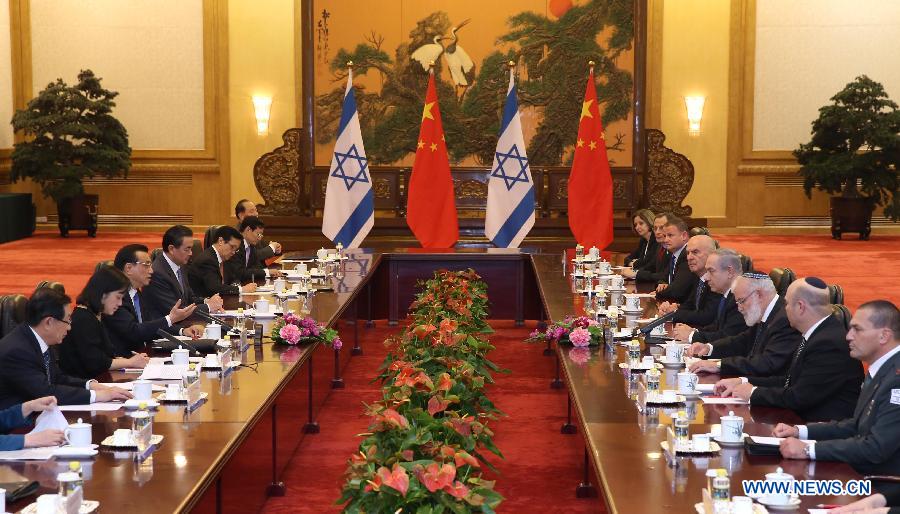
[559, 7]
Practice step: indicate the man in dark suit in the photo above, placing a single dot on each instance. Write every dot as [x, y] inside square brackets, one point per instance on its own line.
[764, 348]
[655, 269]
[265, 249]
[206, 272]
[679, 281]
[700, 307]
[245, 265]
[723, 267]
[27, 367]
[130, 328]
[169, 282]
[869, 440]
[822, 382]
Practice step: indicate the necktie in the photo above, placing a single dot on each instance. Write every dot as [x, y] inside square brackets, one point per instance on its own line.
[701, 287]
[246, 254]
[867, 380]
[180, 276]
[787, 381]
[672, 268]
[720, 311]
[46, 356]
[757, 339]
[136, 300]
[222, 272]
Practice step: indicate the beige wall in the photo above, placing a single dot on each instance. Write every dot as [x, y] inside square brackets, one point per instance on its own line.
[695, 62]
[151, 53]
[261, 62]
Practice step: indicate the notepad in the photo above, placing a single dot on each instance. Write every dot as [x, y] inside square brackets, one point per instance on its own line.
[163, 372]
[28, 454]
[771, 441]
[99, 406]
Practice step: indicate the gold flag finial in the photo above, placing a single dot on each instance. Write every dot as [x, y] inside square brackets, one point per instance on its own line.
[511, 64]
[349, 64]
[431, 67]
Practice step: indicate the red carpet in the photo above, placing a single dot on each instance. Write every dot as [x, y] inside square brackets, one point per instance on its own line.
[541, 466]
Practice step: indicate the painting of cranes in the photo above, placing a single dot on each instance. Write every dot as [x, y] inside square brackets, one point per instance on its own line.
[394, 43]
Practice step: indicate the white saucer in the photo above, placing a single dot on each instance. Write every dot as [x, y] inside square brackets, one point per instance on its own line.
[793, 504]
[76, 451]
[669, 364]
[632, 311]
[616, 290]
[136, 404]
[730, 444]
[694, 394]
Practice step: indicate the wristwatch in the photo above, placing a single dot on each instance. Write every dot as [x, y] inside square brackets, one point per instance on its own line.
[806, 450]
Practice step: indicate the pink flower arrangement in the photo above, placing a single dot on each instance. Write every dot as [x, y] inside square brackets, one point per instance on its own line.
[580, 337]
[290, 333]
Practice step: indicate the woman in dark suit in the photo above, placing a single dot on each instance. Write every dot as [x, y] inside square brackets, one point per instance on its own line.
[86, 351]
[647, 246]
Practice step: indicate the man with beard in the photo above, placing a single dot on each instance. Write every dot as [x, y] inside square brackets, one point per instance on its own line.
[765, 347]
[822, 381]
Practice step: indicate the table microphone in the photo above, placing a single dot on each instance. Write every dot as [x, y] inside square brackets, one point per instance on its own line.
[211, 319]
[177, 341]
[655, 323]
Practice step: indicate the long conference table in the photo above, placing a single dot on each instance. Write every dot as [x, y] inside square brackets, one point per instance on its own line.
[229, 453]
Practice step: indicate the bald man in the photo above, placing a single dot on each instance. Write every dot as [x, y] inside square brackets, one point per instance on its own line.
[869, 441]
[701, 306]
[823, 381]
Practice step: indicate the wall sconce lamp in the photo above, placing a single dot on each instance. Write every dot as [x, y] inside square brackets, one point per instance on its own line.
[262, 106]
[694, 106]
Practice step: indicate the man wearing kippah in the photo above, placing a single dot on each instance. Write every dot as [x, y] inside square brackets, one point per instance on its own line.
[763, 349]
[822, 382]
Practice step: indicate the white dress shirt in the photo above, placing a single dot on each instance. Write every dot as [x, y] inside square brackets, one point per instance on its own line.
[45, 347]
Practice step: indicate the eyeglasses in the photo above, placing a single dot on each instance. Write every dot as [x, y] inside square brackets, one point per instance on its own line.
[143, 263]
[67, 322]
[744, 299]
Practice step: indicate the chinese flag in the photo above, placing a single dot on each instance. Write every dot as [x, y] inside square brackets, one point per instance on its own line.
[431, 210]
[590, 181]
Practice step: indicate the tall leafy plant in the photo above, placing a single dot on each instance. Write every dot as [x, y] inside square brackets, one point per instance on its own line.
[855, 140]
[70, 134]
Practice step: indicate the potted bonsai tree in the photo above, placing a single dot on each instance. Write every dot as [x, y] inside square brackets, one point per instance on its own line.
[855, 151]
[70, 134]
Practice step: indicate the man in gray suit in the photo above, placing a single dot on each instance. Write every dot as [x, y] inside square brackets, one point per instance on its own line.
[870, 440]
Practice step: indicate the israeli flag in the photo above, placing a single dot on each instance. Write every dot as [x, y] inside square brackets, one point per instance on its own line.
[510, 203]
[349, 204]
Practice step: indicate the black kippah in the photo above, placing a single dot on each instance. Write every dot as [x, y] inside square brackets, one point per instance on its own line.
[816, 282]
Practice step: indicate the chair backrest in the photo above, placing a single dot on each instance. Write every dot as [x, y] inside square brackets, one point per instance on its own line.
[208, 236]
[781, 278]
[842, 313]
[12, 312]
[103, 264]
[52, 285]
[836, 294]
[698, 231]
[155, 253]
[747, 264]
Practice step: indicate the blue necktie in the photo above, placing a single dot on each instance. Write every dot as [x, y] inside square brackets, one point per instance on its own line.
[46, 356]
[721, 310]
[180, 276]
[246, 255]
[136, 300]
[672, 268]
[701, 287]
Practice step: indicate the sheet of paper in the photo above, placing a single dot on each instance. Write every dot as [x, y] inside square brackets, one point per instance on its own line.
[718, 400]
[28, 454]
[163, 372]
[99, 406]
[51, 419]
[818, 511]
[180, 338]
[773, 441]
[129, 385]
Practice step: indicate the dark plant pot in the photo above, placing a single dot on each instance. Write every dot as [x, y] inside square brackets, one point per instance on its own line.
[78, 213]
[851, 215]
